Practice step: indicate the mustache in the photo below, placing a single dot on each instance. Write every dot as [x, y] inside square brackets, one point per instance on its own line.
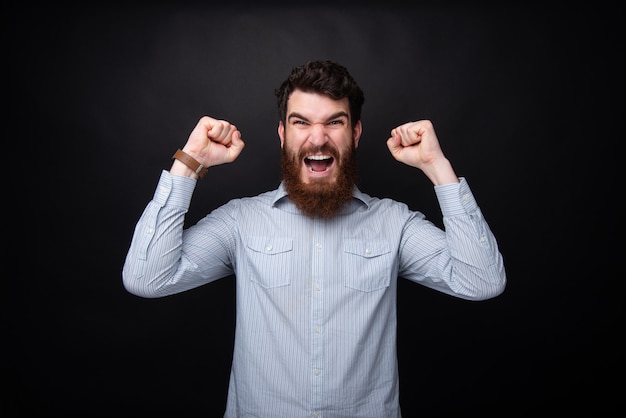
[324, 149]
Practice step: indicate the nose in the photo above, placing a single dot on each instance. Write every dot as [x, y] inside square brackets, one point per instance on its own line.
[317, 134]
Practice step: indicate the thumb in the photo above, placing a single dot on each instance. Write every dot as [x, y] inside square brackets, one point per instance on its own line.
[236, 146]
[393, 143]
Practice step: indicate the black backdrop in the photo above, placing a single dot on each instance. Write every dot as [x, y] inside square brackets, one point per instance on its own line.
[525, 102]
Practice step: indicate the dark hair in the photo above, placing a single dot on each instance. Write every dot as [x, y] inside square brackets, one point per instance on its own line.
[324, 77]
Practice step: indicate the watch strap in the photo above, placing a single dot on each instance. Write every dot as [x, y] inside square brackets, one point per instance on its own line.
[190, 162]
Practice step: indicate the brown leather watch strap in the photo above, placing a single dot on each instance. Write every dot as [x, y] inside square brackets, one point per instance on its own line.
[190, 162]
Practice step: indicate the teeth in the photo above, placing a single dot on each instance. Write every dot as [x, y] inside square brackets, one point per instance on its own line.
[319, 157]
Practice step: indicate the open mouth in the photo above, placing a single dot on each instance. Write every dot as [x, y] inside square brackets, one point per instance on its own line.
[318, 163]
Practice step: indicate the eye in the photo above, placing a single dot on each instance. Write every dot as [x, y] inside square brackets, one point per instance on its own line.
[336, 122]
[299, 122]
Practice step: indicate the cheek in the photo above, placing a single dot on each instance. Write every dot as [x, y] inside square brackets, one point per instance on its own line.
[292, 144]
[290, 152]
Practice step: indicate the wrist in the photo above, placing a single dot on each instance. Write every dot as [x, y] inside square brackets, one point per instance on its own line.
[191, 163]
[441, 172]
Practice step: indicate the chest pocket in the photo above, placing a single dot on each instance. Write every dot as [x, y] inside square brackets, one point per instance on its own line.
[269, 260]
[367, 265]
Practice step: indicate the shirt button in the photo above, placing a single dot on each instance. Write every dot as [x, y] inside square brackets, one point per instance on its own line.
[483, 239]
[149, 231]
[317, 330]
[268, 247]
[465, 197]
[368, 251]
[318, 246]
[315, 414]
[317, 372]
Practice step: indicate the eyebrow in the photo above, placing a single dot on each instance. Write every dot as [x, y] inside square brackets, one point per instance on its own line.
[331, 117]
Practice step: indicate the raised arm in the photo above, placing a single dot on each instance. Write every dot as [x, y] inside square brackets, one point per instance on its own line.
[466, 261]
[162, 259]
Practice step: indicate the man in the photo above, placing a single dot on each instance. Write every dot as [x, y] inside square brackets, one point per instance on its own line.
[316, 261]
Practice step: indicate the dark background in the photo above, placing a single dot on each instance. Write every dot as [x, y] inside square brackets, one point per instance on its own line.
[526, 103]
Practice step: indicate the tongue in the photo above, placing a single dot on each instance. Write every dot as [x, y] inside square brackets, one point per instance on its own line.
[318, 165]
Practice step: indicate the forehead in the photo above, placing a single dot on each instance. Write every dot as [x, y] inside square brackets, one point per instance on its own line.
[315, 106]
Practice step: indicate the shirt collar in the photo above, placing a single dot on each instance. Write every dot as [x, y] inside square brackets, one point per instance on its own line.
[281, 193]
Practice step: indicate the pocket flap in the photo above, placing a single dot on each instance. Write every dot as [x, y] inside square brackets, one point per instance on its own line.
[269, 245]
[367, 249]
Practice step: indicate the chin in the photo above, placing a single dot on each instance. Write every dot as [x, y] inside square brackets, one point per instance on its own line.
[319, 181]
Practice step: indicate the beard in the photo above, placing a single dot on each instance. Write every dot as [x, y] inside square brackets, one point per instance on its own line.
[321, 197]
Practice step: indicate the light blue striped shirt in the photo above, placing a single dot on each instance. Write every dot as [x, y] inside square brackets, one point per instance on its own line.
[315, 299]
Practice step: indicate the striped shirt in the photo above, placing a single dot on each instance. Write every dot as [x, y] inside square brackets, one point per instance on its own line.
[315, 331]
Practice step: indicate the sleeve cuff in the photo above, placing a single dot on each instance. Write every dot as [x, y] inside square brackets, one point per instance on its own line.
[456, 198]
[174, 190]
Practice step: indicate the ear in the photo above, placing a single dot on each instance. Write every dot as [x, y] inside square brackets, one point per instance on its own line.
[356, 133]
[281, 133]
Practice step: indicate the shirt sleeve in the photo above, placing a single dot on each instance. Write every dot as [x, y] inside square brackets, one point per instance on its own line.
[157, 263]
[463, 260]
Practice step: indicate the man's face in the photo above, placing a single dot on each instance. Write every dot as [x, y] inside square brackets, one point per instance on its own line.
[319, 144]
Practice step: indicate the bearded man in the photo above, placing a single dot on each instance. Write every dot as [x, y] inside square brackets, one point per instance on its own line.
[316, 260]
